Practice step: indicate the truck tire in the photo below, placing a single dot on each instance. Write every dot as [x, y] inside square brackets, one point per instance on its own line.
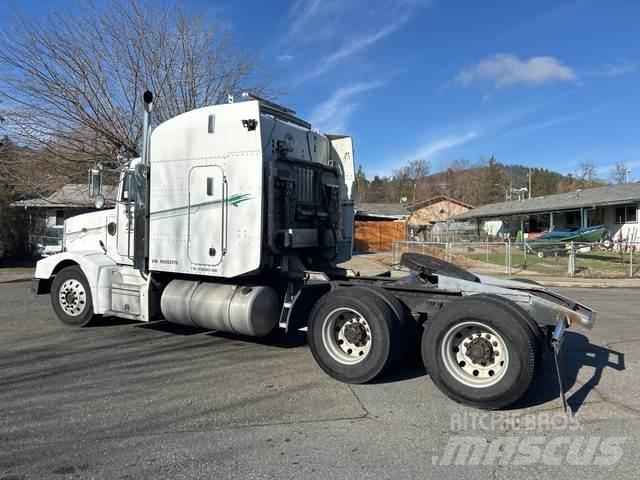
[516, 309]
[354, 334]
[410, 328]
[71, 297]
[479, 353]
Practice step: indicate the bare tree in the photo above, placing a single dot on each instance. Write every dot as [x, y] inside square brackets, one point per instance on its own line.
[619, 173]
[408, 176]
[587, 174]
[71, 82]
[585, 177]
[413, 170]
[456, 180]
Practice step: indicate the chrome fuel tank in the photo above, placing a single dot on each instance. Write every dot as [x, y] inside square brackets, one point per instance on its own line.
[245, 310]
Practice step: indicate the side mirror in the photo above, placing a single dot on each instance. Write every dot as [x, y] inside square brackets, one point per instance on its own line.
[95, 182]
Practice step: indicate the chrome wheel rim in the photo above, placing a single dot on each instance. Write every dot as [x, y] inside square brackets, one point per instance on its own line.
[72, 297]
[346, 335]
[475, 354]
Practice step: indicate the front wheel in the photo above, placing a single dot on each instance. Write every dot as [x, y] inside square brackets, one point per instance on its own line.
[71, 297]
[480, 353]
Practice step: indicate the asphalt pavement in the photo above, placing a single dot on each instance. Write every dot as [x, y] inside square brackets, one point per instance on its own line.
[127, 400]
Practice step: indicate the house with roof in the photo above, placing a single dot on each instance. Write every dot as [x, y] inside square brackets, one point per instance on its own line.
[615, 206]
[433, 215]
[377, 225]
[48, 213]
[440, 208]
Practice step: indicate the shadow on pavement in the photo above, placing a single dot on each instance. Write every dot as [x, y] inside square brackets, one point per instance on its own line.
[277, 338]
[168, 327]
[577, 352]
[110, 322]
[405, 372]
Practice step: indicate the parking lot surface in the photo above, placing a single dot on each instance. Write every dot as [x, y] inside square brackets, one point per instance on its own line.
[130, 400]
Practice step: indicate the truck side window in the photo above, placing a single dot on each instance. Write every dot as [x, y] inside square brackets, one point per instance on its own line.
[127, 188]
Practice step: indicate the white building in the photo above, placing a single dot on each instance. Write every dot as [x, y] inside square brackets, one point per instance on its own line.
[614, 206]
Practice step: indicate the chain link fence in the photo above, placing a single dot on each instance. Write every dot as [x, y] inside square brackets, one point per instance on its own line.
[482, 257]
[586, 260]
[593, 260]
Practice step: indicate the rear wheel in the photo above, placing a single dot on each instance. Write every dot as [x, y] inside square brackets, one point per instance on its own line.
[71, 297]
[354, 334]
[410, 328]
[480, 353]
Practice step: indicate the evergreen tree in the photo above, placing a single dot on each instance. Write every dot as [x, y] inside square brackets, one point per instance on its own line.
[380, 190]
[362, 185]
[492, 185]
[543, 182]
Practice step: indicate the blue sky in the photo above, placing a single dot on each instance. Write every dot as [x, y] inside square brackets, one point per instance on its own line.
[539, 83]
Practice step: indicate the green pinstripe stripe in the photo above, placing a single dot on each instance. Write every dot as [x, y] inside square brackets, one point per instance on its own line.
[233, 200]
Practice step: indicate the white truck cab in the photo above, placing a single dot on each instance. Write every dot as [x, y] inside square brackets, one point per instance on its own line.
[212, 206]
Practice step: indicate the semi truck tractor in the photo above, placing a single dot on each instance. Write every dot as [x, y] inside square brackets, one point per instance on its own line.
[236, 218]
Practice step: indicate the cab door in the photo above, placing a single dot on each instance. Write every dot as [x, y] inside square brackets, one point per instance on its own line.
[208, 210]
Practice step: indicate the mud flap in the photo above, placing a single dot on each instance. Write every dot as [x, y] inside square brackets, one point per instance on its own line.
[556, 344]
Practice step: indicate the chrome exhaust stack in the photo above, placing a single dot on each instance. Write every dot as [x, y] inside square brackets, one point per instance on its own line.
[147, 97]
[142, 176]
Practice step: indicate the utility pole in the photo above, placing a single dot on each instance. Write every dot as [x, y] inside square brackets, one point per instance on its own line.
[627, 175]
[510, 181]
[529, 182]
[506, 191]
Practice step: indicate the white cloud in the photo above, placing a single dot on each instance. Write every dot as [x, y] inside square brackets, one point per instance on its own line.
[613, 70]
[428, 150]
[356, 44]
[328, 27]
[332, 114]
[303, 11]
[352, 47]
[559, 120]
[504, 70]
[285, 58]
[460, 134]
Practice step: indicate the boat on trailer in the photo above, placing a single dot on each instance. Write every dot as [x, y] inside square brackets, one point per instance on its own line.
[557, 241]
